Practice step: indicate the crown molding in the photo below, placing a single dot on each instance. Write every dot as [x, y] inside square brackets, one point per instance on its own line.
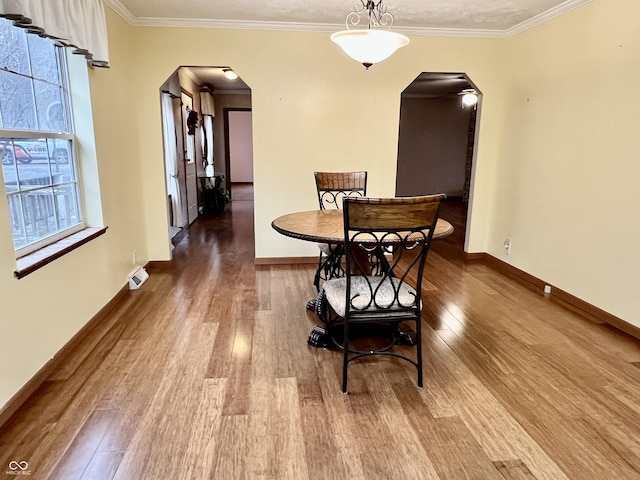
[121, 10]
[325, 27]
[187, 71]
[546, 16]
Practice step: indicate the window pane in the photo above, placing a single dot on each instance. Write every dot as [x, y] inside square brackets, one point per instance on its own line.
[39, 214]
[32, 163]
[16, 102]
[49, 107]
[13, 48]
[66, 206]
[7, 151]
[44, 61]
[17, 221]
[61, 159]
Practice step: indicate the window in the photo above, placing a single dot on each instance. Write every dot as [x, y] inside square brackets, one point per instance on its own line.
[37, 140]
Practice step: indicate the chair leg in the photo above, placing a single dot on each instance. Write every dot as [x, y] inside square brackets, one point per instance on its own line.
[419, 351]
[345, 363]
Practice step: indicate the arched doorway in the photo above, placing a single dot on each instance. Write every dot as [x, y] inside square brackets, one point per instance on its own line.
[197, 153]
[437, 143]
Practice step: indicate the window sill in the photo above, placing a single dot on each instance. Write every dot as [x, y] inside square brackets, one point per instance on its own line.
[38, 259]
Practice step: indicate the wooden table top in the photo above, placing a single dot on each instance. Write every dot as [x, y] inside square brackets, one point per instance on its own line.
[326, 226]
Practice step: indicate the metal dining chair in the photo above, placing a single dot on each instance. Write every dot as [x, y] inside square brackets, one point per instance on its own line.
[366, 313]
[332, 187]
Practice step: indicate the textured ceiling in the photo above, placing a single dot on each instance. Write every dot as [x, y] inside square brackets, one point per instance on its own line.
[448, 17]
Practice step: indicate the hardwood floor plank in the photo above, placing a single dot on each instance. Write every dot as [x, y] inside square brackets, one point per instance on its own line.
[220, 355]
[483, 412]
[321, 452]
[263, 359]
[340, 418]
[286, 430]
[622, 456]
[401, 439]
[263, 286]
[238, 390]
[173, 408]
[78, 456]
[103, 466]
[450, 446]
[239, 365]
[277, 446]
[514, 470]
[141, 378]
[232, 454]
[204, 443]
[22, 434]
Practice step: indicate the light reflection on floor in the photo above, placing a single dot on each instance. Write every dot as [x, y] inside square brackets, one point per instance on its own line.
[453, 317]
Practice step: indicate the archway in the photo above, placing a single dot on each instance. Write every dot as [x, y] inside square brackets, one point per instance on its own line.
[199, 154]
[437, 143]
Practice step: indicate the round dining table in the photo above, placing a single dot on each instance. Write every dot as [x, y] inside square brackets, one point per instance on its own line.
[327, 226]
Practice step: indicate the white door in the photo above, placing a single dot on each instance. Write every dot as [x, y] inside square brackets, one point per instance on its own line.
[192, 191]
[181, 215]
[190, 163]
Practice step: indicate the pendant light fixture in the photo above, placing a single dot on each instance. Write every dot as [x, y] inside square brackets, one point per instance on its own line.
[372, 44]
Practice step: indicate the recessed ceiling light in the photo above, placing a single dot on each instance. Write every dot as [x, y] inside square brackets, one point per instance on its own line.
[469, 97]
[230, 74]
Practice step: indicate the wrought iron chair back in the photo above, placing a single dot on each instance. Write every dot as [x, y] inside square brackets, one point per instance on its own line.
[332, 187]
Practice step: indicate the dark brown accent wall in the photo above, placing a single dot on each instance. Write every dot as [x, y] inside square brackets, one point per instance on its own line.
[433, 144]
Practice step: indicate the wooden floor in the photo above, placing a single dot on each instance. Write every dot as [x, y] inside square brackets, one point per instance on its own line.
[204, 373]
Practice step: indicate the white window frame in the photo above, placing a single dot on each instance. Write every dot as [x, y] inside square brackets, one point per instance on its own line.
[63, 67]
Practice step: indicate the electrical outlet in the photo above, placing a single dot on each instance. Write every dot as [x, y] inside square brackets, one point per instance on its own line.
[134, 257]
[507, 246]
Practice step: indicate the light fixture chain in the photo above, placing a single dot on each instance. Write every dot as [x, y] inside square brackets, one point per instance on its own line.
[377, 13]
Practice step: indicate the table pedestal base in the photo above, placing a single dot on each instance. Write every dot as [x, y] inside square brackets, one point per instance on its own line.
[319, 338]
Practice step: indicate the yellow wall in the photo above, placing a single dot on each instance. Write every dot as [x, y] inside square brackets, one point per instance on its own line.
[556, 159]
[568, 164]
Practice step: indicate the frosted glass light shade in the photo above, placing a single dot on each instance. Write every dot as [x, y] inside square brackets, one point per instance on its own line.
[369, 46]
